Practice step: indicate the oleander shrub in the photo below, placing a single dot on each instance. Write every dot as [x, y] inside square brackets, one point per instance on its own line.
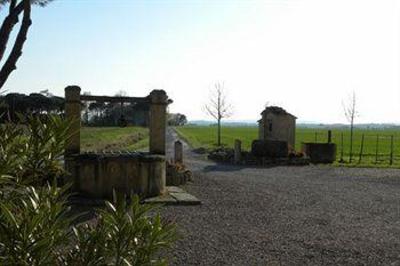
[31, 150]
[36, 225]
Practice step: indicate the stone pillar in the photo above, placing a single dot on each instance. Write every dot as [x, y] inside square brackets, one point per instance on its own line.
[329, 136]
[238, 151]
[178, 152]
[73, 114]
[156, 175]
[158, 121]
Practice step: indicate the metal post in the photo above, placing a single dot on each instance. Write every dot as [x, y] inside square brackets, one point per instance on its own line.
[376, 148]
[391, 150]
[361, 149]
[329, 136]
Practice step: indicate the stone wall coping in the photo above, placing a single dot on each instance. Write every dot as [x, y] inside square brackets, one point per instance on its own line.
[142, 156]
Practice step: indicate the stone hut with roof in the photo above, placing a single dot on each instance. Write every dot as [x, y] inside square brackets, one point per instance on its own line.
[277, 124]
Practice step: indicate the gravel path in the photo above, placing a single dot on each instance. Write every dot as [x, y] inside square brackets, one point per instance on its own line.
[313, 215]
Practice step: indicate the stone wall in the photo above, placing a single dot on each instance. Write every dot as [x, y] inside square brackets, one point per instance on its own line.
[97, 175]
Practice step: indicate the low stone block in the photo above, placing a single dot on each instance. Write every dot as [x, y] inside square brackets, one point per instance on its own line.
[269, 148]
[320, 152]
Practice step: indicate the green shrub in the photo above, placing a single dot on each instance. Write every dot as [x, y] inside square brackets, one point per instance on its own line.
[132, 237]
[36, 226]
[31, 151]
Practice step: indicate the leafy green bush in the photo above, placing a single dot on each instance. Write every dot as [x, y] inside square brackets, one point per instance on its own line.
[31, 151]
[36, 226]
[131, 238]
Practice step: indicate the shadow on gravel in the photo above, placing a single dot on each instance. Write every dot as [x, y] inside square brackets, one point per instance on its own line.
[224, 167]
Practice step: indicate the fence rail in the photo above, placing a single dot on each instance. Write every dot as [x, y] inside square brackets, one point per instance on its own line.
[378, 148]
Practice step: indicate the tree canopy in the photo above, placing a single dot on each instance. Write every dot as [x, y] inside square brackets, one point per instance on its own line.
[15, 9]
[34, 103]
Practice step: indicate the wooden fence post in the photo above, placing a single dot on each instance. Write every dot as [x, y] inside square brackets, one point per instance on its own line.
[391, 150]
[376, 148]
[361, 148]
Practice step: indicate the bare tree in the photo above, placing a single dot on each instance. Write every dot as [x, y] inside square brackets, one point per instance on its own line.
[351, 113]
[218, 107]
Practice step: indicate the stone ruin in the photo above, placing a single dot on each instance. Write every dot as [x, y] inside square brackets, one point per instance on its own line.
[276, 141]
[276, 133]
[276, 144]
[97, 174]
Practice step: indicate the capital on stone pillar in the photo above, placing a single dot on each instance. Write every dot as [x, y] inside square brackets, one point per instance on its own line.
[158, 121]
[73, 115]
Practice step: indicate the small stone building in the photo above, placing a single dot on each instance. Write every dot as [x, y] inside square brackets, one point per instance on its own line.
[277, 124]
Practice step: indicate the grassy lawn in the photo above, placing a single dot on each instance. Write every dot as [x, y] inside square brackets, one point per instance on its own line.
[114, 138]
[205, 136]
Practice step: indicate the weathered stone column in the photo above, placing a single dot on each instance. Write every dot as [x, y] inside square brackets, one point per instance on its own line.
[158, 121]
[178, 152]
[73, 113]
[238, 151]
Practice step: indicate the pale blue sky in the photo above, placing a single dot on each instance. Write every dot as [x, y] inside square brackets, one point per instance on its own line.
[306, 55]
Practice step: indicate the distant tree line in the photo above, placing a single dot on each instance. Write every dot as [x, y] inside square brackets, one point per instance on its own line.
[115, 114]
[93, 113]
[34, 103]
[177, 119]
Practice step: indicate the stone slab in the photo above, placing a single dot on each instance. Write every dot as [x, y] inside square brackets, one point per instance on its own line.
[163, 199]
[174, 196]
[185, 198]
[174, 189]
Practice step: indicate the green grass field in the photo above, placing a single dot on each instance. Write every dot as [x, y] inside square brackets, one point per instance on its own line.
[205, 136]
[114, 138]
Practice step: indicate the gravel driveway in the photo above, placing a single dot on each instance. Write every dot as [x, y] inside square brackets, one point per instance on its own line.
[313, 215]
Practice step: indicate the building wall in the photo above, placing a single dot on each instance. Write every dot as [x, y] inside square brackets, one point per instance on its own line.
[278, 127]
[261, 126]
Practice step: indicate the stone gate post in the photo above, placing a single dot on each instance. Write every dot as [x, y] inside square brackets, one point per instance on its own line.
[73, 114]
[178, 152]
[158, 121]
